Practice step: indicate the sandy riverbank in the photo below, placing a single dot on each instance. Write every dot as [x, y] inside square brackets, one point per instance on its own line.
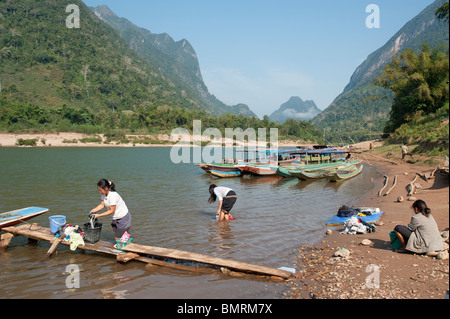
[401, 275]
[82, 140]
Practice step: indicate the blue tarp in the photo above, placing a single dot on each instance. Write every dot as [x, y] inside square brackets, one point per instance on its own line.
[336, 220]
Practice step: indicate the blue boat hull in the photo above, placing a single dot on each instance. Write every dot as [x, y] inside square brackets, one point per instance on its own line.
[18, 216]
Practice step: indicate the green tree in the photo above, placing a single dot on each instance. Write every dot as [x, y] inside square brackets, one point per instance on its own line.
[419, 82]
[442, 12]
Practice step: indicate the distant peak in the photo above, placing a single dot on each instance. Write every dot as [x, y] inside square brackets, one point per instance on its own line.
[295, 108]
[103, 11]
[295, 98]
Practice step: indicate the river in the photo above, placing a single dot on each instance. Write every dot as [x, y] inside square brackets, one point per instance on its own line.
[169, 208]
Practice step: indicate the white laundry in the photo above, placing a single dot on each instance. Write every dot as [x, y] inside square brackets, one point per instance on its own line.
[354, 226]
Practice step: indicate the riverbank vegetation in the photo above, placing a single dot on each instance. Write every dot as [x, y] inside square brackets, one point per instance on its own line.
[420, 112]
[17, 117]
[89, 81]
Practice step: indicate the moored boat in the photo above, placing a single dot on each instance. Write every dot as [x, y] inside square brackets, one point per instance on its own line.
[344, 174]
[225, 174]
[224, 167]
[20, 215]
[205, 167]
[261, 169]
[314, 171]
[221, 170]
[318, 173]
[280, 170]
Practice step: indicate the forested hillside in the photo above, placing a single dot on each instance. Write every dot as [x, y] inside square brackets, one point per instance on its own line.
[47, 64]
[87, 79]
[420, 112]
[362, 109]
[175, 60]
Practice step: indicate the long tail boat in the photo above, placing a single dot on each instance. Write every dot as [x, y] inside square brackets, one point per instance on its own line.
[18, 216]
[282, 171]
[221, 170]
[306, 171]
[225, 174]
[261, 170]
[345, 174]
[316, 174]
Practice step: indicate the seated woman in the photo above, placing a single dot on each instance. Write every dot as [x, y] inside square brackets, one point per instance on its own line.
[422, 234]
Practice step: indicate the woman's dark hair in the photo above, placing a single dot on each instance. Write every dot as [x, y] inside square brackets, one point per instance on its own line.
[422, 207]
[213, 196]
[104, 183]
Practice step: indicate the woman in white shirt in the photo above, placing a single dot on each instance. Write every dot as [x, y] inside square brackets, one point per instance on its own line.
[121, 220]
[227, 199]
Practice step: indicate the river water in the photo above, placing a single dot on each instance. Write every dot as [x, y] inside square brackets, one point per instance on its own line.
[169, 208]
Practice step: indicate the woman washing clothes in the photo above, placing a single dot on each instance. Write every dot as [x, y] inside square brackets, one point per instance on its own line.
[121, 219]
[422, 234]
[227, 198]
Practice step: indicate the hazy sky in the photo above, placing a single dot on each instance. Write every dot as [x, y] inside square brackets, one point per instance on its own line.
[262, 52]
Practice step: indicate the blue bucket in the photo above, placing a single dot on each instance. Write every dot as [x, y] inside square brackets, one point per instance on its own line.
[56, 221]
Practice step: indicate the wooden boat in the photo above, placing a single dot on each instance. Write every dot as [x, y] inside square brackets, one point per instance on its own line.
[305, 171]
[261, 170]
[20, 215]
[280, 170]
[225, 174]
[221, 170]
[306, 175]
[204, 166]
[319, 173]
[223, 167]
[345, 174]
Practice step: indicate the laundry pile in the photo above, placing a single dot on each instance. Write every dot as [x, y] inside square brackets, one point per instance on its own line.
[356, 225]
[72, 234]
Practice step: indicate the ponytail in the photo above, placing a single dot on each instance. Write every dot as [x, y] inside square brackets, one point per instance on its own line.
[422, 207]
[104, 183]
[212, 198]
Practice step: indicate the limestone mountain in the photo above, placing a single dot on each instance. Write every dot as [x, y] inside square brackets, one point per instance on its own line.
[176, 60]
[362, 109]
[85, 76]
[296, 109]
[45, 63]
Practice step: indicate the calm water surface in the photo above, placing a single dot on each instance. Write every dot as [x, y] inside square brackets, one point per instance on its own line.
[169, 208]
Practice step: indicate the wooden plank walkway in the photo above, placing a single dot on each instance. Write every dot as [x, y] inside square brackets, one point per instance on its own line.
[145, 253]
[208, 260]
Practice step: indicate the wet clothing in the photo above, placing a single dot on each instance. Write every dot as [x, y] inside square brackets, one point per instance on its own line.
[227, 196]
[228, 201]
[121, 225]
